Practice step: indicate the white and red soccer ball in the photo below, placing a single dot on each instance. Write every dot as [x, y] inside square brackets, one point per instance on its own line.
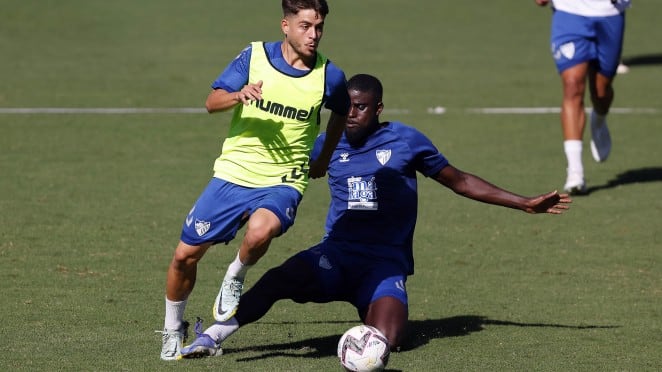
[363, 349]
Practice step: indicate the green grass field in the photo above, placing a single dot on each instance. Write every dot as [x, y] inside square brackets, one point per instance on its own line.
[91, 204]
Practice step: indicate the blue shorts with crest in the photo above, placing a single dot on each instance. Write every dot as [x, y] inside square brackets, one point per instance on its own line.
[577, 39]
[223, 208]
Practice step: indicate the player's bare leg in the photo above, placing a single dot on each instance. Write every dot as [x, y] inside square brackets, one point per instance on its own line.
[573, 119]
[179, 285]
[262, 226]
[389, 315]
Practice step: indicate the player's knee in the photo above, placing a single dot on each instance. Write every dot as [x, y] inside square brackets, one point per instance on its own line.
[186, 256]
[260, 232]
[602, 96]
[257, 240]
[573, 88]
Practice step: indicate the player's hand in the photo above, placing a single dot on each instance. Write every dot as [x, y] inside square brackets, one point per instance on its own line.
[317, 169]
[542, 2]
[552, 202]
[250, 93]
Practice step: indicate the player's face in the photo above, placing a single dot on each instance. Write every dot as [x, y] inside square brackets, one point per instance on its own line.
[363, 116]
[303, 32]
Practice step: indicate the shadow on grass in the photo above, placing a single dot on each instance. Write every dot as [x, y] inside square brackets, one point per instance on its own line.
[420, 333]
[650, 174]
[643, 60]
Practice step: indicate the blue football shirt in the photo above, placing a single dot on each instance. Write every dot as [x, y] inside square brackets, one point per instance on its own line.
[374, 198]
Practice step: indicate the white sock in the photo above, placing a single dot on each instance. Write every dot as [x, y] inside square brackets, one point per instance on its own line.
[174, 314]
[573, 152]
[237, 269]
[219, 331]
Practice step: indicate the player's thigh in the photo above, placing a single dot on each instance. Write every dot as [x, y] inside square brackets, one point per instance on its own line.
[294, 279]
[380, 278]
[571, 40]
[263, 224]
[320, 274]
[574, 80]
[282, 203]
[609, 43]
[388, 309]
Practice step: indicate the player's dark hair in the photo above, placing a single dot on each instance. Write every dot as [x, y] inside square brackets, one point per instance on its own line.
[292, 7]
[366, 83]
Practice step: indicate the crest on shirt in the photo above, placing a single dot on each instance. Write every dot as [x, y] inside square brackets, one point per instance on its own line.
[383, 156]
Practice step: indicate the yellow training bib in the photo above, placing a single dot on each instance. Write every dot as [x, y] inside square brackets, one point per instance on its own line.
[270, 140]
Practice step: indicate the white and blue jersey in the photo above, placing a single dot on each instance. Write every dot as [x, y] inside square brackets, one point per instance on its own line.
[592, 8]
[374, 198]
[588, 31]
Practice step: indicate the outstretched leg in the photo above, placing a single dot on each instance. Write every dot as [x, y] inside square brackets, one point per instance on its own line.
[294, 280]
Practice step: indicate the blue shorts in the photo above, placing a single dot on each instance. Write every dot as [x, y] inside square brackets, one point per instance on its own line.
[577, 39]
[223, 207]
[359, 280]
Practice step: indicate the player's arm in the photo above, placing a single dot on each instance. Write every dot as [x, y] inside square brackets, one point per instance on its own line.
[232, 87]
[334, 131]
[222, 100]
[476, 188]
[338, 103]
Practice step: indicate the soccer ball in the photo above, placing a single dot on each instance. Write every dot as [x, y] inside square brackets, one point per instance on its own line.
[362, 349]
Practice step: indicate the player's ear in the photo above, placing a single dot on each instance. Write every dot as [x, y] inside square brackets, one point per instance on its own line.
[380, 107]
[284, 26]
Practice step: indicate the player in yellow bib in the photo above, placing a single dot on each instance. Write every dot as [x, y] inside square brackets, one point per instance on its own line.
[276, 90]
[270, 138]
